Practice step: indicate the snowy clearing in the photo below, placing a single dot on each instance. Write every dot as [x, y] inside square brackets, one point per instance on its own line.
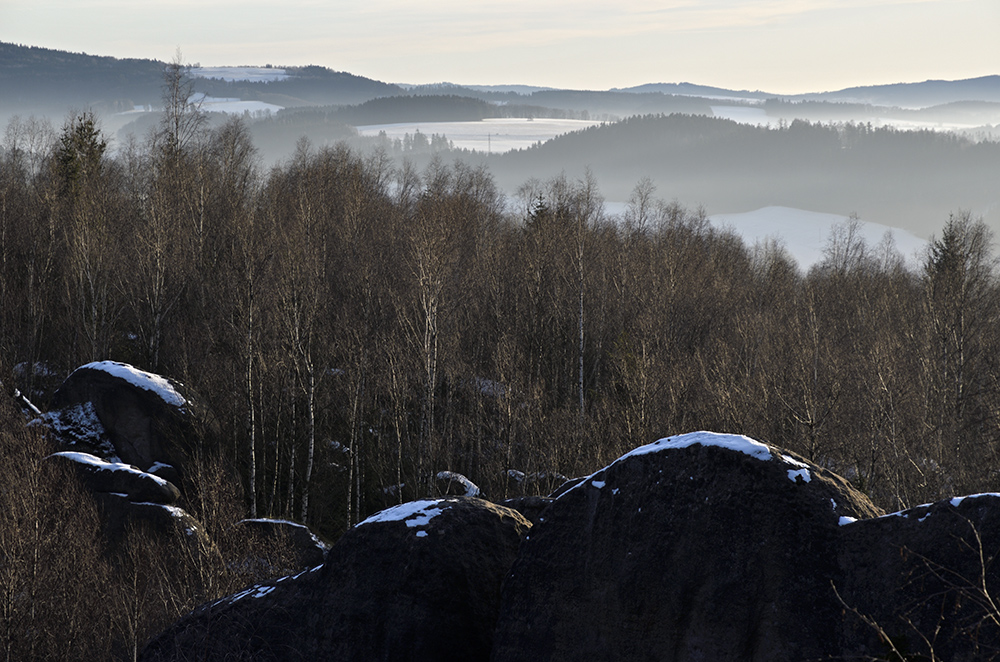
[232, 106]
[805, 234]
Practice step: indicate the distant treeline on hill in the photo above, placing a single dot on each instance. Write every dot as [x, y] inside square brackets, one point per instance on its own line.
[305, 86]
[903, 178]
[420, 108]
[48, 81]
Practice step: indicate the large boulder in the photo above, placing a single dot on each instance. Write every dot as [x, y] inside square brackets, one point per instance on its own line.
[130, 501]
[100, 475]
[420, 581]
[924, 583]
[697, 547]
[119, 412]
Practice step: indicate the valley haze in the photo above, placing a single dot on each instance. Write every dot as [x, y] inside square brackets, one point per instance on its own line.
[514, 128]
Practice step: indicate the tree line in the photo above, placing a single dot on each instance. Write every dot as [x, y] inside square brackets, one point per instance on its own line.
[357, 326]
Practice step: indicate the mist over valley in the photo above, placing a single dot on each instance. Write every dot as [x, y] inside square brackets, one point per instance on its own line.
[901, 155]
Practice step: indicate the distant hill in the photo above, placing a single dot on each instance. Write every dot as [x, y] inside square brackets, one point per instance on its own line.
[49, 82]
[905, 95]
[917, 95]
[45, 81]
[907, 179]
[692, 90]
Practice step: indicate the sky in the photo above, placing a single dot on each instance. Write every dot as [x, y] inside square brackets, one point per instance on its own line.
[778, 46]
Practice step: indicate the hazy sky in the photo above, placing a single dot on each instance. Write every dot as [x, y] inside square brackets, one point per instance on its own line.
[782, 46]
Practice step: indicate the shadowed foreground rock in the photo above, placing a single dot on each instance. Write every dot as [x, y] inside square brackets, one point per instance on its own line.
[928, 578]
[419, 581]
[701, 547]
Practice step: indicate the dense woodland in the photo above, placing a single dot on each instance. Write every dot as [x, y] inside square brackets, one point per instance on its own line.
[355, 326]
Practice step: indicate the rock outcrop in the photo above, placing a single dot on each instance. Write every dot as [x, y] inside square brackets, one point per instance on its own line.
[924, 583]
[118, 478]
[420, 581]
[701, 547]
[129, 500]
[696, 547]
[119, 412]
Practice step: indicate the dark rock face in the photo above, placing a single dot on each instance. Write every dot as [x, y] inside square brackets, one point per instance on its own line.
[697, 547]
[129, 499]
[419, 581]
[113, 409]
[704, 547]
[117, 478]
[531, 507]
[931, 572]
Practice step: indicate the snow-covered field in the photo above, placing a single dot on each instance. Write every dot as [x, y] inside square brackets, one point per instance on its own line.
[491, 135]
[805, 234]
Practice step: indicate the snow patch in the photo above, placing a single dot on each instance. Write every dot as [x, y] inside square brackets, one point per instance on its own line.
[255, 592]
[104, 465]
[78, 424]
[958, 500]
[415, 513]
[471, 489]
[847, 520]
[288, 522]
[144, 380]
[733, 442]
[795, 474]
[597, 483]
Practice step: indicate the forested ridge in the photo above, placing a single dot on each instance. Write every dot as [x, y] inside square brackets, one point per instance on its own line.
[357, 327]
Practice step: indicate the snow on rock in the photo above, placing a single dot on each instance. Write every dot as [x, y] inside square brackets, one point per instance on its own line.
[301, 531]
[452, 483]
[733, 442]
[415, 513]
[147, 381]
[76, 425]
[957, 501]
[104, 465]
[108, 477]
[799, 474]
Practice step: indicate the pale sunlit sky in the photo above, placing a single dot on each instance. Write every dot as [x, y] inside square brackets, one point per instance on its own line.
[779, 46]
